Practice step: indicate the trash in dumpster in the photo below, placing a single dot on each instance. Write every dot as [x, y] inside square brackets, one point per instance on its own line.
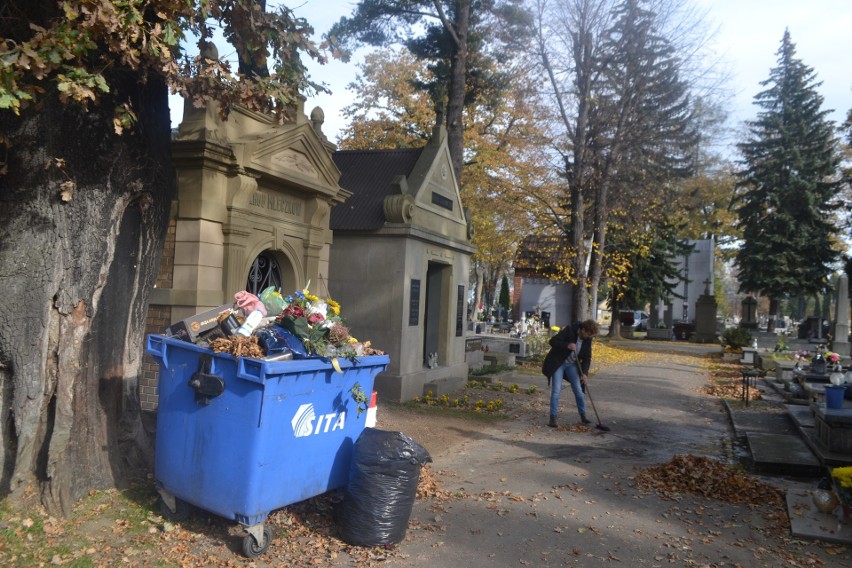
[298, 326]
[279, 343]
[382, 488]
[237, 346]
[248, 303]
[191, 328]
[273, 300]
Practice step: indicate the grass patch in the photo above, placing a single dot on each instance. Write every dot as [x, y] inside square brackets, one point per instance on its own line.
[491, 369]
[477, 398]
[462, 401]
[31, 537]
[421, 408]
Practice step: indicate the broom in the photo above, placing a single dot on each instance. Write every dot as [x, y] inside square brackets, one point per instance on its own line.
[600, 425]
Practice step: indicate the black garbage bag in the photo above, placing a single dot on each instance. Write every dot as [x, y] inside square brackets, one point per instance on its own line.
[382, 488]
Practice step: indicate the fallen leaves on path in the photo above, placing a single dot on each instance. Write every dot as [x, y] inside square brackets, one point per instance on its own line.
[709, 478]
[726, 381]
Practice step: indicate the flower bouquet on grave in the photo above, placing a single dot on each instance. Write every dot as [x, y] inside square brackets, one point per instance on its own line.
[833, 359]
[800, 357]
[841, 479]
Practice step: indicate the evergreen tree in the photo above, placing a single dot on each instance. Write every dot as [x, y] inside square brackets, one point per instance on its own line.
[788, 187]
[505, 300]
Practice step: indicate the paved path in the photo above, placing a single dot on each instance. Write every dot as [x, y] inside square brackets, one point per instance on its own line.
[542, 497]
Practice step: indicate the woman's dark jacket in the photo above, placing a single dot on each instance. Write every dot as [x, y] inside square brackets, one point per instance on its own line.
[559, 351]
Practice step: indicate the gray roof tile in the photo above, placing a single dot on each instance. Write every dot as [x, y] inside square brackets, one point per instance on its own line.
[369, 175]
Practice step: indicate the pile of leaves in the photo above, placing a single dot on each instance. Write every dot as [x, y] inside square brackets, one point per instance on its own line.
[726, 381]
[428, 487]
[708, 478]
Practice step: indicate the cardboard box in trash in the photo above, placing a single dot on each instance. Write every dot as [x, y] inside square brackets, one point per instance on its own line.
[190, 328]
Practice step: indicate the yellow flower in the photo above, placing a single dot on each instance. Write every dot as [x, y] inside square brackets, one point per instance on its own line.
[333, 307]
[311, 298]
[843, 475]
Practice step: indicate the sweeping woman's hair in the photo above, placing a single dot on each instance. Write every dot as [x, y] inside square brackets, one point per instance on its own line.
[590, 326]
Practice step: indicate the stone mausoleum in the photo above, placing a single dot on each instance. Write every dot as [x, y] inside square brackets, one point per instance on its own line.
[400, 262]
[263, 204]
[253, 209]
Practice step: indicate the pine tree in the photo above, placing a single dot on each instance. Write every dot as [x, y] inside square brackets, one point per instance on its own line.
[788, 187]
[505, 300]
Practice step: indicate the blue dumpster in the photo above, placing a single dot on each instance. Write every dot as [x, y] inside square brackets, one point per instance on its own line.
[242, 437]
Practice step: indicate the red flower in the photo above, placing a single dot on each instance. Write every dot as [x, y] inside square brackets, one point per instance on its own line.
[294, 311]
[315, 318]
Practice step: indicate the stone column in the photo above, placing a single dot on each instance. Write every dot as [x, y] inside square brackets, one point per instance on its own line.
[840, 345]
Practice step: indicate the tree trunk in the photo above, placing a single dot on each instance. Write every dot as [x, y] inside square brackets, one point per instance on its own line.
[601, 219]
[580, 295]
[773, 314]
[456, 90]
[615, 320]
[77, 272]
[477, 316]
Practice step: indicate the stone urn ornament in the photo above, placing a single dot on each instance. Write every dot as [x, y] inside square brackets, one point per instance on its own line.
[825, 500]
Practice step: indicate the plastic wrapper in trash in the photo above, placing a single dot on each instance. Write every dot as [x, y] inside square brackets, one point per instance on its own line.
[274, 339]
[382, 488]
[247, 303]
[273, 300]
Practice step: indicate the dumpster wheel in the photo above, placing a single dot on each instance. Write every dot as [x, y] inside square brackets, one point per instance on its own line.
[252, 548]
[182, 510]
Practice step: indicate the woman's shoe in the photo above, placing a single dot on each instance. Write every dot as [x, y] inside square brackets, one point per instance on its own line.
[552, 422]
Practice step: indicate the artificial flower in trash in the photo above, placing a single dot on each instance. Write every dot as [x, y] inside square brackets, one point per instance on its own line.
[317, 323]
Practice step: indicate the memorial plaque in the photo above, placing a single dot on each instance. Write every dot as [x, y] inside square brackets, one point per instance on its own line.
[460, 312]
[414, 303]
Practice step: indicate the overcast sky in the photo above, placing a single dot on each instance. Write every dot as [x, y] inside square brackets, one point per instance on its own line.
[748, 36]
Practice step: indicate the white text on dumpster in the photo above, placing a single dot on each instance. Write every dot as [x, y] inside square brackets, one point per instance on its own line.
[303, 421]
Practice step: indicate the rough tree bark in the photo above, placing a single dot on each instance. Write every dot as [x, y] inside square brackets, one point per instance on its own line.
[76, 275]
[457, 87]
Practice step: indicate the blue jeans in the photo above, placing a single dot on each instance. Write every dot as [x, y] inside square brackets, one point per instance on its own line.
[573, 376]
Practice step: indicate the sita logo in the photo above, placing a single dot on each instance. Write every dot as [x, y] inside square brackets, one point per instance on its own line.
[303, 421]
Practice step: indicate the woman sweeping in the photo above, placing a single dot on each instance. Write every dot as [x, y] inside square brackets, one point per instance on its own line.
[569, 358]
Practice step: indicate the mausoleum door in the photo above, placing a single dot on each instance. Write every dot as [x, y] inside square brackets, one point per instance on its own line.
[433, 310]
[267, 270]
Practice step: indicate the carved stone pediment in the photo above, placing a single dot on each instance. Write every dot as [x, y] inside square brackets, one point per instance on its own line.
[289, 158]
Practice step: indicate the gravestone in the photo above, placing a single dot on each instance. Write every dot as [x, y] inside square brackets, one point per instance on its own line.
[840, 345]
[749, 311]
[705, 317]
